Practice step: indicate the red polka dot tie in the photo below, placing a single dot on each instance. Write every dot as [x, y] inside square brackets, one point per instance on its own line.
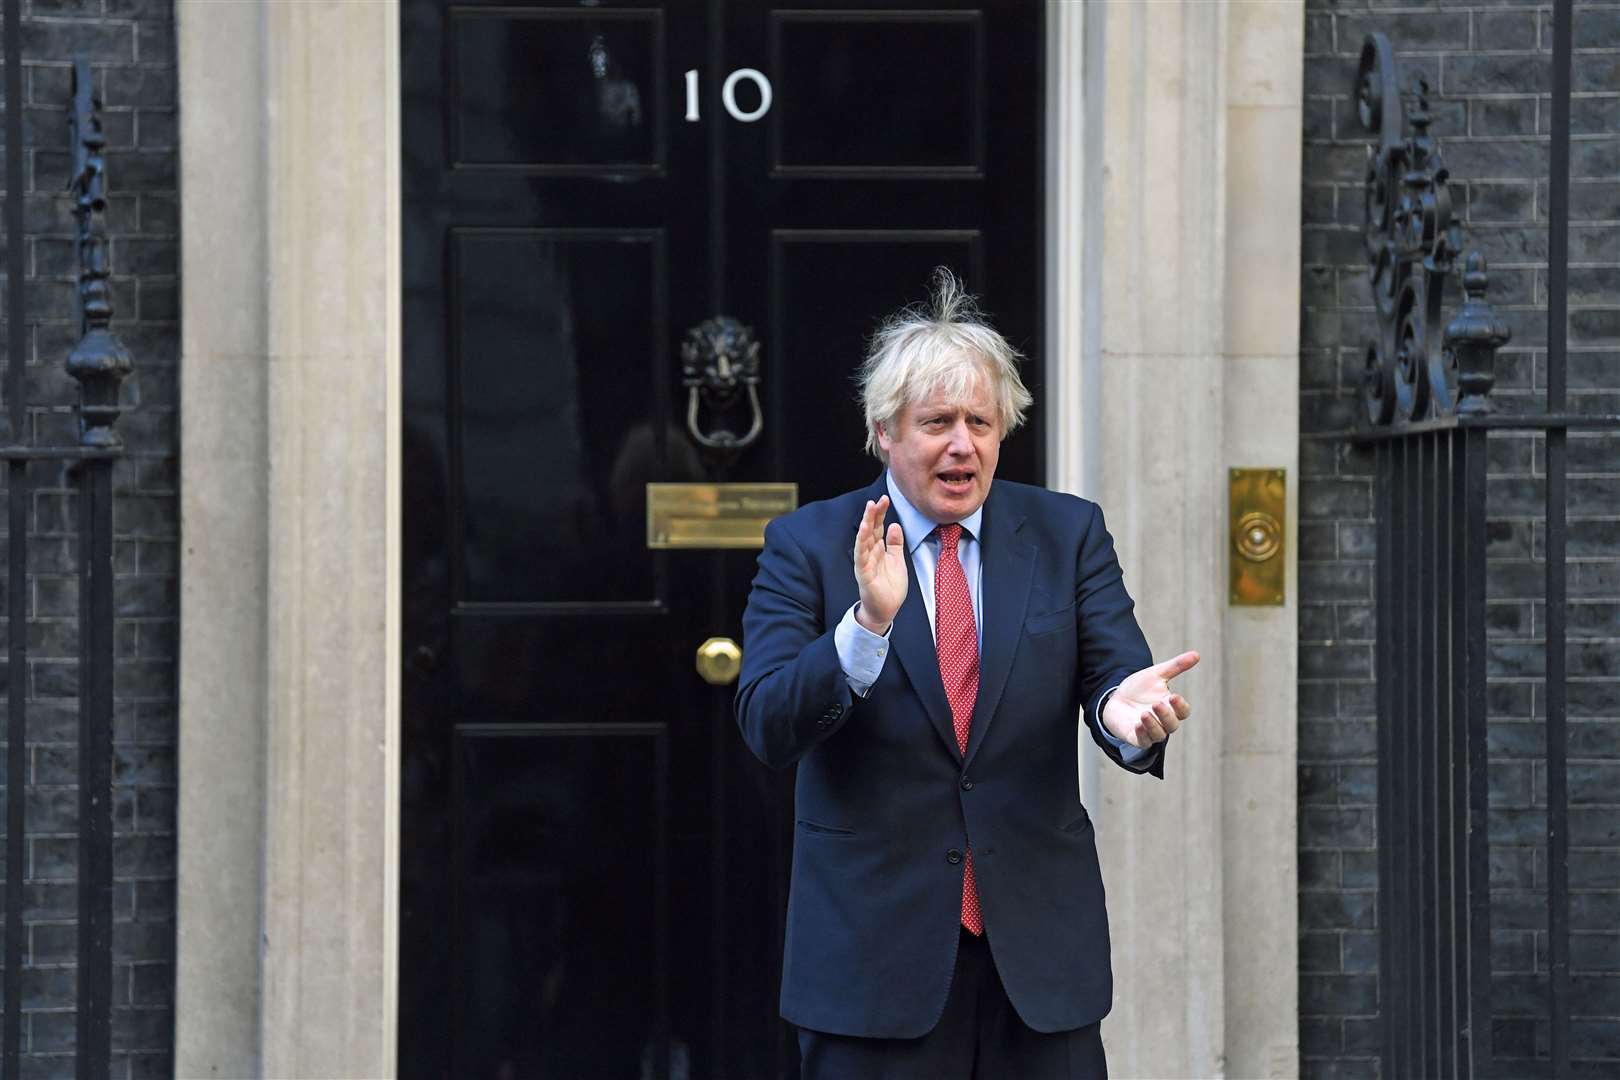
[957, 641]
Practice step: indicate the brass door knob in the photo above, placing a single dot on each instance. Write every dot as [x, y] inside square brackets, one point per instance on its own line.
[718, 661]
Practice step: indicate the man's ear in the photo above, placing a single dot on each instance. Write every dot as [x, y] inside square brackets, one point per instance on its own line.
[883, 438]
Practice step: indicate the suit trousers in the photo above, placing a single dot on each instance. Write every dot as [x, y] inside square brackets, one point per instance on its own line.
[979, 1037]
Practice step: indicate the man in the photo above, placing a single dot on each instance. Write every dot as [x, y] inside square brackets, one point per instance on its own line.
[946, 912]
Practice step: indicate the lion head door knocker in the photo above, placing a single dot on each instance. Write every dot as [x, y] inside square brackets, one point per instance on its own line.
[720, 367]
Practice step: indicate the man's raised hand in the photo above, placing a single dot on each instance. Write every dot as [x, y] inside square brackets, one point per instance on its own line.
[880, 568]
[1144, 711]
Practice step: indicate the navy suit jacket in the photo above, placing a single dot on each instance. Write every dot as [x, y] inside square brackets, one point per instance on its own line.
[886, 803]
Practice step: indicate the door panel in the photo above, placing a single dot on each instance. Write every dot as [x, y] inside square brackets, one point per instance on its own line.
[594, 869]
[556, 377]
[560, 888]
[840, 110]
[552, 92]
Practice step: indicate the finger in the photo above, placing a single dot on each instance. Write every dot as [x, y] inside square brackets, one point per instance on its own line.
[897, 538]
[1182, 706]
[1166, 717]
[1176, 665]
[1151, 729]
[872, 521]
[879, 511]
[863, 532]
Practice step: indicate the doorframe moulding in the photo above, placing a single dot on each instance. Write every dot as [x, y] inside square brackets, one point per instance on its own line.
[1071, 371]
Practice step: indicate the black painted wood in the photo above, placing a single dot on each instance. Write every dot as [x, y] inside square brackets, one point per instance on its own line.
[593, 869]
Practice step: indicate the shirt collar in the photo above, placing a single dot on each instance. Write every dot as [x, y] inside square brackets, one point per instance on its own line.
[917, 527]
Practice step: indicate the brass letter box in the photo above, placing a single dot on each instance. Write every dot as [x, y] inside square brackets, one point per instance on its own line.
[715, 515]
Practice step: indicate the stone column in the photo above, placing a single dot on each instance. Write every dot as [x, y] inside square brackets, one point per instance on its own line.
[1264, 146]
[1200, 299]
[225, 550]
[292, 366]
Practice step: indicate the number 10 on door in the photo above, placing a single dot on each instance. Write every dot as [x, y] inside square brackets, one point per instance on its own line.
[728, 95]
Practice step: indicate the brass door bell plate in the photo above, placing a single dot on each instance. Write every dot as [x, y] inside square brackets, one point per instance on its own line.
[1257, 503]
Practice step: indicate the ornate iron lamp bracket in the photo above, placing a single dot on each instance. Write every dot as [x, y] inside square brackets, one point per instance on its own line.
[1411, 370]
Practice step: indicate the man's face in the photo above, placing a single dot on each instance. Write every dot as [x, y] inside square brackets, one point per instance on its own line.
[943, 454]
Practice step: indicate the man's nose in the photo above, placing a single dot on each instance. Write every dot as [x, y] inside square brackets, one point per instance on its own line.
[961, 441]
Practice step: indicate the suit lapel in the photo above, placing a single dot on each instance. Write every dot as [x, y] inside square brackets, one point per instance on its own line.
[913, 642]
[1007, 564]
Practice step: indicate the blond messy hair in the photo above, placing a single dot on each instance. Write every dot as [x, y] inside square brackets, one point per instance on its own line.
[944, 345]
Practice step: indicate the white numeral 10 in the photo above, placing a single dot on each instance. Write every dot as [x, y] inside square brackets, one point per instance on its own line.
[728, 95]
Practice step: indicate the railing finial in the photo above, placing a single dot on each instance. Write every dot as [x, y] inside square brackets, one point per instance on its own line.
[1472, 339]
[99, 361]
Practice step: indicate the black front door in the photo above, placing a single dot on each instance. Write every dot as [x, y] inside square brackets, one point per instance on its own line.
[594, 869]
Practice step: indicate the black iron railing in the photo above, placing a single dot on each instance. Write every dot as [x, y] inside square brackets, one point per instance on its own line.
[1429, 416]
[100, 363]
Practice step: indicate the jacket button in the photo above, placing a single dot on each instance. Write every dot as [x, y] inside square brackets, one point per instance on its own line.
[823, 723]
[967, 785]
[835, 711]
[953, 856]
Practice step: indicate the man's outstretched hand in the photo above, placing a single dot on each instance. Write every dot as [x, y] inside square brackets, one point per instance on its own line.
[880, 568]
[1144, 711]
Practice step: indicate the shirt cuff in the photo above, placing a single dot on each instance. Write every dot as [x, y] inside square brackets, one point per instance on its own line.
[1128, 754]
[860, 652]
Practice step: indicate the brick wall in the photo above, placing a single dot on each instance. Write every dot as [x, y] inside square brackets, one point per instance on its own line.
[1489, 67]
[131, 45]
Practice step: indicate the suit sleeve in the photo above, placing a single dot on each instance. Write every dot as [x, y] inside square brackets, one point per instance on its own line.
[1111, 643]
[792, 692]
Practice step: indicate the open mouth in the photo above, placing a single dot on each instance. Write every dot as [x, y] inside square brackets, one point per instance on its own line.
[956, 479]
